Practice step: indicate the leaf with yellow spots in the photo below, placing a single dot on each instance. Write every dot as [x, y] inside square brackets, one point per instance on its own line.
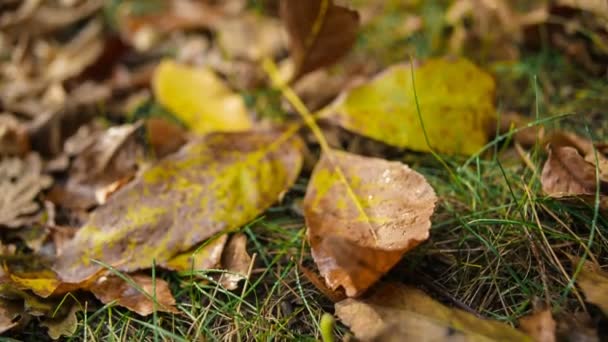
[198, 97]
[214, 184]
[362, 215]
[456, 101]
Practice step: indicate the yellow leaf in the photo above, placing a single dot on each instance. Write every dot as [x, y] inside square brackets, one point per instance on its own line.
[395, 312]
[198, 97]
[456, 102]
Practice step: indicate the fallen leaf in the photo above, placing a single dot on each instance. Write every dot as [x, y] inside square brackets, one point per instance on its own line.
[362, 215]
[385, 108]
[250, 37]
[203, 257]
[214, 184]
[566, 173]
[525, 136]
[20, 182]
[198, 97]
[13, 136]
[65, 325]
[585, 148]
[576, 326]
[320, 32]
[235, 261]
[539, 325]
[113, 288]
[110, 157]
[395, 312]
[593, 281]
[164, 137]
[10, 314]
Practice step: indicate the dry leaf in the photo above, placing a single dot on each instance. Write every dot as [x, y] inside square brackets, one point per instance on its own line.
[164, 137]
[10, 314]
[250, 37]
[235, 261]
[320, 32]
[213, 184]
[65, 325]
[395, 312]
[108, 158]
[20, 183]
[13, 136]
[539, 325]
[593, 281]
[566, 173]
[362, 215]
[204, 257]
[198, 97]
[526, 136]
[455, 116]
[114, 288]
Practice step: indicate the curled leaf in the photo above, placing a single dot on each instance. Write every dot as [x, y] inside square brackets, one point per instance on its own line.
[139, 298]
[593, 281]
[320, 32]
[566, 173]
[362, 215]
[236, 261]
[539, 325]
[213, 184]
[395, 312]
[455, 111]
[198, 97]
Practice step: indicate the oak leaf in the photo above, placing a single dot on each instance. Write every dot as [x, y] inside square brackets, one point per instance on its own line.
[214, 184]
[320, 32]
[362, 215]
[395, 312]
[455, 111]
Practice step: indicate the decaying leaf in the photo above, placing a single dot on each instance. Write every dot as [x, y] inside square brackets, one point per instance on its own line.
[20, 182]
[65, 325]
[566, 173]
[198, 97]
[109, 157]
[362, 215]
[164, 137]
[216, 183]
[539, 325]
[570, 169]
[203, 257]
[236, 261]
[114, 288]
[320, 32]
[10, 314]
[395, 312]
[13, 136]
[593, 281]
[385, 108]
[250, 37]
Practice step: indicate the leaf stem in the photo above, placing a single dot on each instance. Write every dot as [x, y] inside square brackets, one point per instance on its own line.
[273, 72]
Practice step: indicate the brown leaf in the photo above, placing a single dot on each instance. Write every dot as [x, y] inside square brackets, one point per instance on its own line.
[110, 157]
[13, 136]
[593, 281]
[395, 312]
[320, 32]
[525, 136]
[236, 261]
[114, 288]
[65, 325]
[539, 325]
[164, 137]
[10, 314]
[566, 173]
[20, 183]
[362, 215]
